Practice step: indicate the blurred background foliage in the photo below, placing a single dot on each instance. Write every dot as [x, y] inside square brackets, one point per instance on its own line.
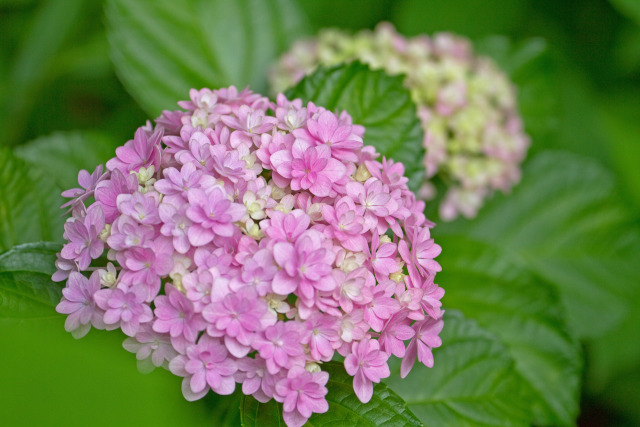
[577, 65]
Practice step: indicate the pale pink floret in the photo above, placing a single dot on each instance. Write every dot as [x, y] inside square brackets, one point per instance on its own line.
[346, 225]
[178, 182]
[382, 257]
[78, 303]
[237, 316]
[352, 328]
[141, 207]
[306, 266]
[64, 267]
[171, 121]
[175, 224]
[203, 99]
[128, 233]
[199, 152]
[175, 315]
[302, 393]
[212, 214]
[206, 365]
[286, 227]
[124, 309]
[107, 192]
[84, 237]
[423, 251]
[255, 378]
[142, 151]
[147, 265]
[279, 345]
[308, 168]
[431, 293]
[389, 172]
[270, 144]
[395, 332]
[88, 183]
[373, 202]
[356, 287]
[367, 365]
[152, 349]
[382, 305]
[227, 164]
[291, 115]
[425, 339]
[248, 123]
[339, 137]
[322, 336]
[257, 272]
[199, 286]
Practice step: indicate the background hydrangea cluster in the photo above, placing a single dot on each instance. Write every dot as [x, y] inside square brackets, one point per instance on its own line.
[474, 137]
[246, 241]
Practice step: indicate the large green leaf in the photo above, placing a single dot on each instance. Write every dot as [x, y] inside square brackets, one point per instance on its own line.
[525, 313]
[164, 48]
[345, 410]
[375, 100]
[614, 354]
[565, 224]
[28, 204]
[630, 8]
[254, 413]
[473, 381]
[30, 257]
[61, 155]
[26, 289]
[27, 295]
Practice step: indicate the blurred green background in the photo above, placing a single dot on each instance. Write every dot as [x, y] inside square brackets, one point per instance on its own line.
[583, 96]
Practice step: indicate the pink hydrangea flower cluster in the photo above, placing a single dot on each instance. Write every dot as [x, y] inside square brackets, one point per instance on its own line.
[242, 241]
[474, 137]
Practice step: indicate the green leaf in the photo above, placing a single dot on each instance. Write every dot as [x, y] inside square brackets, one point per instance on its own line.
[163, 49]
[254, 413]
[565, 224]
[525, 313]
[375, 100]
[62, 155]
[30, 257]
[28, 204]
[26, 289]
[385, 407]
[629, 8]
[27, 295]
[473, 381]
[615, 354]
[225, 410]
